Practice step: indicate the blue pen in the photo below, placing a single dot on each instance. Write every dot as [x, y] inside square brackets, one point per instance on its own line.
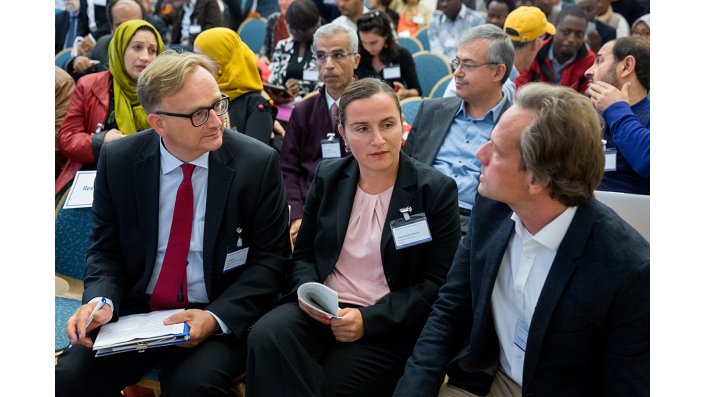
[97, 307]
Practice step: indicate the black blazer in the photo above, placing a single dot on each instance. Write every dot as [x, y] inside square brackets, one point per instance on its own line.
[589, 335]
[244, 190]
[413, 274]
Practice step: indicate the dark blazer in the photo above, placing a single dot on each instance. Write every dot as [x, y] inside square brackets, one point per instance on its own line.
[589, 335]
[413, 274]
[206, 13]
[252, 115]
[61, 27]
[244, 191]
[301, 152]
[431, 125]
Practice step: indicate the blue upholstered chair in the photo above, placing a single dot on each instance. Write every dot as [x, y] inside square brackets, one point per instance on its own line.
[432, 67]
[411, 44]
[409, 108]
[252, 31]
[440, 87]
[422, 36]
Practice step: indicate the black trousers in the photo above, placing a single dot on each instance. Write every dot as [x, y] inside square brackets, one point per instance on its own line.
[290, 354]
[206, 370]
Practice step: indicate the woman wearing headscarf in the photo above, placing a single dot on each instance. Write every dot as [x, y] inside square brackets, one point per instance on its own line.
[249, 112]
[104, 106]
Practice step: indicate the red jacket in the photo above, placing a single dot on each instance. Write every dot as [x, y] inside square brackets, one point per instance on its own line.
[88, 107]
[573, 75]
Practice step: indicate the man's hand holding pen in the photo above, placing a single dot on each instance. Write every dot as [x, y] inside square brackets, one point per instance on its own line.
[85, 319]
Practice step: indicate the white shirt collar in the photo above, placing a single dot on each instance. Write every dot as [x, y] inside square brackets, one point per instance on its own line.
[170, 163]
[551, 235]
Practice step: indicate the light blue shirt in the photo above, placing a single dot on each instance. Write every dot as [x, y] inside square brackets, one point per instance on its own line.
[443, 33]
[169, 181]
[456, 156]
[557, 67]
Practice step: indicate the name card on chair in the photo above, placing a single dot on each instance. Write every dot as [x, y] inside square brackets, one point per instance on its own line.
[81, 193]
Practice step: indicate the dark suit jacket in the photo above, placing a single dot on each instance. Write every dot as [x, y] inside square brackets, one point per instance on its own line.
[206, 13]
[309, 123]
[244, 191]
[413, 274]
[607, 32]
[589, 335]
[431, 125]
[61, 27]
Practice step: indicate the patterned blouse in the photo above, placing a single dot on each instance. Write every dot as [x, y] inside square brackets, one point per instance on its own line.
[285, 65]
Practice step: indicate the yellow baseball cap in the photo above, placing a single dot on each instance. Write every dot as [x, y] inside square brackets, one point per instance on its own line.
[526, 24]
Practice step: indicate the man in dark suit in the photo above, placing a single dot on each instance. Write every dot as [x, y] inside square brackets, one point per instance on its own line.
[69, 24]
[447, 131]
[548, 294]
[311, 121]
[234, 243]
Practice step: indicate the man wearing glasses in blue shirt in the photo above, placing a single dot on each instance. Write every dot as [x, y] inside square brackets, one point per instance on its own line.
[448, 131]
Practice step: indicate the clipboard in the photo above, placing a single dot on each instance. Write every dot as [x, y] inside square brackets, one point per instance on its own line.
[139, 332]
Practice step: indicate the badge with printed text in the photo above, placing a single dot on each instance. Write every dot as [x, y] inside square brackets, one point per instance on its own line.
[611, 159]
[310, 75]
[237, 254]
[392, 72]
[194, 29]
[330, 147]
[410, 230]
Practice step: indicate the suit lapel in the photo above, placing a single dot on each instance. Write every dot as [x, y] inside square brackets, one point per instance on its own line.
[437, 135]
[146, 171]
[572, 247]
[221, 173]
[346, 187]
[493, 260]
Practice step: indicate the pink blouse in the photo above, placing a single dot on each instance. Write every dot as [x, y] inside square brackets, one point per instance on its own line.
[359, 276]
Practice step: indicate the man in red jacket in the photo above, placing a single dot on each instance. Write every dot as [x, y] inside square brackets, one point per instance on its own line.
[564, 58]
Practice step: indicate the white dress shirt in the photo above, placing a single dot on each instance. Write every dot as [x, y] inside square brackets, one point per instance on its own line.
[522, 274]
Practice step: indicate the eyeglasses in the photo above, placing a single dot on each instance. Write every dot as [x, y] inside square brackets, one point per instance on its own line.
[468, 67]
[200, 116]
[321, 57]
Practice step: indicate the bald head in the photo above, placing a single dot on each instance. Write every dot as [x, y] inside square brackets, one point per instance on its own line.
[125, 10]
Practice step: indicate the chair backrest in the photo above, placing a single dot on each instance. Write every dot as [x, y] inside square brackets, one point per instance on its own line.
[62, 56]
[633, 208]
[411, 44]
[422, 36]
[252, 31]
[409, 108]
[440, 88]
[430, 69]
[72, 229]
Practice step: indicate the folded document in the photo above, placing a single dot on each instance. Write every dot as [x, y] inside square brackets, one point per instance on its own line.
[138, 332]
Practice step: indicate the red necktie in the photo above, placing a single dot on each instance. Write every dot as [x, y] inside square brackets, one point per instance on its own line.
[334, 117]
[171, 290]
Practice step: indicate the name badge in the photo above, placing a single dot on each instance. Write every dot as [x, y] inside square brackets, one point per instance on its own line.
[392, 72]
[310, 75]
[194, 29]
[450, 42]
[521, 335]
[330, 148]
[418, 19]
[411, 230]
[237, 254]
[611, 159]
[405, 33]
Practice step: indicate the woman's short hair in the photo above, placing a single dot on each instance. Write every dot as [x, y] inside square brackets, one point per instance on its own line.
[361, 89]
[333, 29]
[302, 15]
[167, 74]
[500, 48]
[563, 144]
[379, 23]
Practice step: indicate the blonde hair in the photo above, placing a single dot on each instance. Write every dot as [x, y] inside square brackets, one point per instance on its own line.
[563, 145]
[167, 74]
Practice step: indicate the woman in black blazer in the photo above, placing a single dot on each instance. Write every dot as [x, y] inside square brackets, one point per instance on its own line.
[385, 292]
